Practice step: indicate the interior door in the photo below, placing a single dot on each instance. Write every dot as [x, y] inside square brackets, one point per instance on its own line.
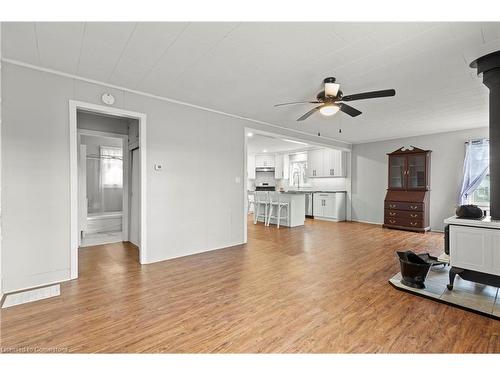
[82, 193]
[416, 172]
[397, 172]
[135, 199]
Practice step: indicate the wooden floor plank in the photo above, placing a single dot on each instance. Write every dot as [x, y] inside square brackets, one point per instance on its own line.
[320, 288]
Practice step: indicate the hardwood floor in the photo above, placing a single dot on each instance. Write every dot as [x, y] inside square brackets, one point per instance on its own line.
[319, 288]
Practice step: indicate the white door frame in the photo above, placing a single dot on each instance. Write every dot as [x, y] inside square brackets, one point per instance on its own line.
[74, 106]
[126, 161]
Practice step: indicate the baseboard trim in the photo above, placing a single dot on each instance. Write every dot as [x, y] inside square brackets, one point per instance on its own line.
[31, 295]
[328, 219]
[12, 285]
[197, 252]
[367, 222]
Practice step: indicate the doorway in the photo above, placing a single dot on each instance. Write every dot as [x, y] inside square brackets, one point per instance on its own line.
[108, 178]
[103, 186]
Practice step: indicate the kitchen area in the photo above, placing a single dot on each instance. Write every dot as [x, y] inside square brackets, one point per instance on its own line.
[289, 180]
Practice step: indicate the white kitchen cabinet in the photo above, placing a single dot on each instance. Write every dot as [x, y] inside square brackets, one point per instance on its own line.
[286, 166]
[333, 163]
[264, 160]
[315, 163]
[326, 162]
[329, 206]
[251, 167]
[278, 166]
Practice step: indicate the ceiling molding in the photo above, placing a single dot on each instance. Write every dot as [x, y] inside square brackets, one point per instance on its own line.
[302, 135]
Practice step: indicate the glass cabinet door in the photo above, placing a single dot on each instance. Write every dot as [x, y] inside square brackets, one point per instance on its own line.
[397, 168]
[416, 172]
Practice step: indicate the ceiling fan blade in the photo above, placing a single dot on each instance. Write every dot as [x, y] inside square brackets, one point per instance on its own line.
[369, 95]
[279, 105]
[349, 110]
[306, 115]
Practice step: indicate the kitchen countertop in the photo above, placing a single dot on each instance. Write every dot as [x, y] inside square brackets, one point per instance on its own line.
[310, 191]
[315, 191]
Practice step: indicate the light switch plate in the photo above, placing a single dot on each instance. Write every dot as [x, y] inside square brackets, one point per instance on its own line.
[237, 180]
[158, 167]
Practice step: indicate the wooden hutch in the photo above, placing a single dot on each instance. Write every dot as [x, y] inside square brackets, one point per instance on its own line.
[406, 203]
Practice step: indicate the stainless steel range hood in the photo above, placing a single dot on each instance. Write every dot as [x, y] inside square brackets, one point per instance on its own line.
[264, 169]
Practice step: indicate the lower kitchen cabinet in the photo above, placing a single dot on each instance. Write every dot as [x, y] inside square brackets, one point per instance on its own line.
[329, 206]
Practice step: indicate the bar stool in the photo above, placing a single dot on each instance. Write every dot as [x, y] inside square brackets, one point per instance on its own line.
[261, 200]
[250, 201]
[276, 203]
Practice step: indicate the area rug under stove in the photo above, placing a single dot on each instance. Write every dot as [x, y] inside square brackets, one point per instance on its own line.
[479, 298]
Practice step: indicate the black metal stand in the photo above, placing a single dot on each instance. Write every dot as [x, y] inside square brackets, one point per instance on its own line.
[474, 276]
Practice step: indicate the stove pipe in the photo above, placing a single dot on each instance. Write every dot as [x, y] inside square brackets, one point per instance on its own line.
[489, 66]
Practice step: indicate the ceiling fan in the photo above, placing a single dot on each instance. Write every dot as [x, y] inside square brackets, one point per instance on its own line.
[331, 100]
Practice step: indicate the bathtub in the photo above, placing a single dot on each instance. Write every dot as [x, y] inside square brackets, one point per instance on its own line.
[104, 222]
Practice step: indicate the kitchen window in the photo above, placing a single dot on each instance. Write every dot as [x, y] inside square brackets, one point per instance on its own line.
[298, 170]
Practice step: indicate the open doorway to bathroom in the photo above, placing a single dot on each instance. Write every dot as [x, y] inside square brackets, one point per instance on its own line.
[98, 207]
[103, 187]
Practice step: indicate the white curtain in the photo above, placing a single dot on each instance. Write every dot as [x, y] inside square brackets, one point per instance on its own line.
[111, 167]
[476, 167]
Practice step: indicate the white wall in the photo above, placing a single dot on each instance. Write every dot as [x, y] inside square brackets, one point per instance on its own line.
[198, 149]
[369, 171]
[195, 204]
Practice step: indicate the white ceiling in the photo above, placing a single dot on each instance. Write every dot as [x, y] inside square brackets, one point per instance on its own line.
[245, 68]
[259, 143]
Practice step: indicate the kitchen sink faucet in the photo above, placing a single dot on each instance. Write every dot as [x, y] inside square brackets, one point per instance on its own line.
[296, 174]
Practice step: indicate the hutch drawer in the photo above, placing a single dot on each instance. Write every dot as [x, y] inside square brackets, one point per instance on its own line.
[405, 206]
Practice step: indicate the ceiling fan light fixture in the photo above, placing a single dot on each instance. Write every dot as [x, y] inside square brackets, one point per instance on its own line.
[332, 89]
[329, 110]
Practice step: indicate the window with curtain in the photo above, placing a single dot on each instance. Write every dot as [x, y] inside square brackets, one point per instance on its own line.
[298, 169]
[476, 182]
[111, 167]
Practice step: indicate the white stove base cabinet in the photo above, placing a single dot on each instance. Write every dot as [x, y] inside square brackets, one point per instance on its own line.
[474, 247]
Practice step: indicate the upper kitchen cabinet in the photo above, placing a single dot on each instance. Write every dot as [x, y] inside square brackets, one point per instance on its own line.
[315, 163]
[251, 167]
[264, 160]
[326, 162]
[282, 166]
[334, 163]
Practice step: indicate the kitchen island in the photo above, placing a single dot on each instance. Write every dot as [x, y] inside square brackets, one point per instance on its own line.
[293, 215]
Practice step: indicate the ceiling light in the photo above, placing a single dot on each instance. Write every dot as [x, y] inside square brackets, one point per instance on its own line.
[331, 89]
[329, 110]
[249, 134]
[292, 141]
[264, 150]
